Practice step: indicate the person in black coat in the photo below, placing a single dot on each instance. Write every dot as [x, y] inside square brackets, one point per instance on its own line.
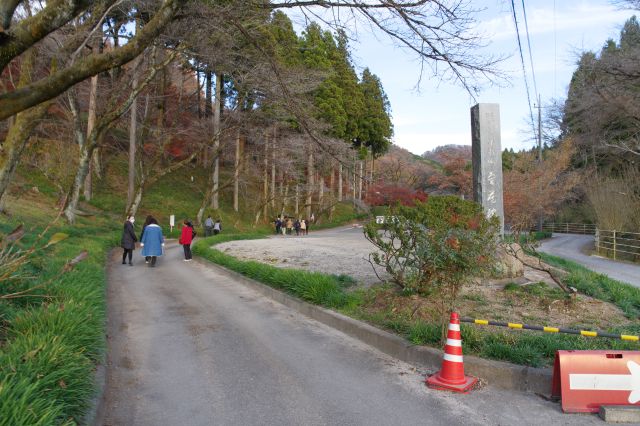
[128, 242]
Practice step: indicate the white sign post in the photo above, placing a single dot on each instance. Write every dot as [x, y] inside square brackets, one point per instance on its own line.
[172, 221]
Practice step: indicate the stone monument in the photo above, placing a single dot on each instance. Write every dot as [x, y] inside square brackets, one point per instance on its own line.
[487, 159]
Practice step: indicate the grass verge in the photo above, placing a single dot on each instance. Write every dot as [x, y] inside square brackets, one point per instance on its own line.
[51, 341]
[599, 286]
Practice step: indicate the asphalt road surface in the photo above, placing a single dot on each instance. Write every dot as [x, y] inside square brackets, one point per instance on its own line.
[571, 246]
[189, 345]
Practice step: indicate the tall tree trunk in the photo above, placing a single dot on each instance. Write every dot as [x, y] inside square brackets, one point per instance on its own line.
[208, 102]
[340, 181]
[360, 179]
[309, 184]
[216, 142]
[83, 168]
[209, 99]
[198, 93]
[332, 179]
[16, 140]
[133, 210]
[91, 121]
[273, 169]
[373, 169]
[284, 198]
[332, 183]
[265, 176]
[320, 190]
[236, 173]
[354, 182]
[20, 130]
[297, 207]
[133, 130]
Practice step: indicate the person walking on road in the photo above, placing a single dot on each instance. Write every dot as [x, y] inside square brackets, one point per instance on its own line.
[152, 242]
[146, 223]
[208, 226]
[186, 237]
[303, 227]
[128, 241]
[217, 227]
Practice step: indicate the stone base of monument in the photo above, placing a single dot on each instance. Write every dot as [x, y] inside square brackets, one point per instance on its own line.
[507, 264]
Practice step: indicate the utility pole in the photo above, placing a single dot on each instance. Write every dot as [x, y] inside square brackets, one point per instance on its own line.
[539, 130]
[539, 106]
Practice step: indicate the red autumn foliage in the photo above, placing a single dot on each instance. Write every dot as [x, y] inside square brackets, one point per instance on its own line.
[386, 195]
[455, 176]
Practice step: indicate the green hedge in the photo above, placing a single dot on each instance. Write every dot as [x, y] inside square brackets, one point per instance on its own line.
[51, 345]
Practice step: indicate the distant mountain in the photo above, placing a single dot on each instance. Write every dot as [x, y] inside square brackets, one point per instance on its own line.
[442, 153]
[401, 167]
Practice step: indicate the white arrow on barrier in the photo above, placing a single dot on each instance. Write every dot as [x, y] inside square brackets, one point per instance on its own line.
[610, 382]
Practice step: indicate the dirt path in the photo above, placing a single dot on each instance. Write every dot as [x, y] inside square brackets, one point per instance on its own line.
[189, 345]
[338, 251]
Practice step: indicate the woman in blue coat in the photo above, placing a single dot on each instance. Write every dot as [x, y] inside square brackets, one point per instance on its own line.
[152, 241]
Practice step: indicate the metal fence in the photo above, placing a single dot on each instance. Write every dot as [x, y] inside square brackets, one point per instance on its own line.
[618, 244]
[570, 228]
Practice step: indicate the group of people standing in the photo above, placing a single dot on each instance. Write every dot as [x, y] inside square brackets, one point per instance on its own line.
[211, 227]
[289, 225]
[152, 240]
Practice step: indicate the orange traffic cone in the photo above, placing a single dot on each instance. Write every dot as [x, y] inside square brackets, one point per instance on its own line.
[451, 376]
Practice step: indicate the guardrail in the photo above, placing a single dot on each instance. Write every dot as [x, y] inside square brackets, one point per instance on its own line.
[518, 326]
[570, 228]
[618, 244]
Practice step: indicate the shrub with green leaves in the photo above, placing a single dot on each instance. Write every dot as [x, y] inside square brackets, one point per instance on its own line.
[436, 245]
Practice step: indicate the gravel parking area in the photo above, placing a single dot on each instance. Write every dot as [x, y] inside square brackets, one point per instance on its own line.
[342, 250]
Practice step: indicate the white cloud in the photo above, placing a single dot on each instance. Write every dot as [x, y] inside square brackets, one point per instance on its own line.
[543, 21]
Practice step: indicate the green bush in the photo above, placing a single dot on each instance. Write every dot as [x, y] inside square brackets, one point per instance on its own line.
[438, 244]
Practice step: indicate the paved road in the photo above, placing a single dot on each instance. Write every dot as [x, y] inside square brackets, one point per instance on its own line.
[189, 345]
[570, 246]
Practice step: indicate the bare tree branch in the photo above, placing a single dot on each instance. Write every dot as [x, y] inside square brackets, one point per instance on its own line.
[58, 82]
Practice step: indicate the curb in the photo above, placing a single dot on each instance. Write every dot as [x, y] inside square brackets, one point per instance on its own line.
[500, 374]
[100, 374]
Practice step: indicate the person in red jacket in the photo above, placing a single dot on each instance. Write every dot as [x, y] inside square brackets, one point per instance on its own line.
[186, 237]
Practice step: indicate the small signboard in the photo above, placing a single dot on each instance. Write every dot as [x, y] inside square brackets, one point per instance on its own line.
[172, 221]
[379, 219]
[585, 380]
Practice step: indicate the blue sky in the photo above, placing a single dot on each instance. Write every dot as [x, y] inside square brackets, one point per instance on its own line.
[438, 114]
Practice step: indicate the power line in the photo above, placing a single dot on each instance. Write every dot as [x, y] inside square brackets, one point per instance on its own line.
[533, 72]
[555, 51]
[524, 69]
